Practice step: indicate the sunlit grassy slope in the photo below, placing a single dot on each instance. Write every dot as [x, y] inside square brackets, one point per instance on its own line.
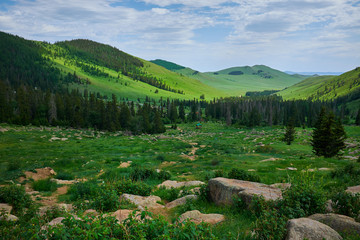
[324, 87]
[124, 86]
[239, 80]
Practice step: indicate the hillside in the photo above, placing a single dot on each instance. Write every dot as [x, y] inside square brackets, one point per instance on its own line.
[84, 64]
[239, 80]
[325, 87]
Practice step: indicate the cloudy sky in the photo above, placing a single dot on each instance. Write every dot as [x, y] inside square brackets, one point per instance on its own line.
[206, 35]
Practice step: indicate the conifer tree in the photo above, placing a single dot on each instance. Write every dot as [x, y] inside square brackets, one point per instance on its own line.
[182, 112]
[328, 136]
[290, 132]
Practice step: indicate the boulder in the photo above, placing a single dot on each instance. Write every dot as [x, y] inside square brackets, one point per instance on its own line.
[5, 207]
[305, 228]
[168, 184]
[9, 217]
[91, 213]
[142, 202]
[197, 217]
[121, 214]
[223, 189]
[56, 221]
[181, 201]
[353, 190]
[340, 223]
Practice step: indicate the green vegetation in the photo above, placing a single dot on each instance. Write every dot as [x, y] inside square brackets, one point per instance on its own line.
[45, 185]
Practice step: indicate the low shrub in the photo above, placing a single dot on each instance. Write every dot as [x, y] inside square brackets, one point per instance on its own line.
[44, 185]
[83, 190]
[167, 194]
[131, 187]
[65, 176]
[141, 174]
[106, 200]
[14, 165]
[16, 197]
[240, 174]
[347, 204]
[114, 175]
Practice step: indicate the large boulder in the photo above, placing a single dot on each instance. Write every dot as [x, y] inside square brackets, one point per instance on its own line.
[353, 190]
[340, 223]
[305, 228]
[141, 202]
[5, 207]
[122, 214]
[197, 217]
[168, 184]
[181, 201]
[223, 189]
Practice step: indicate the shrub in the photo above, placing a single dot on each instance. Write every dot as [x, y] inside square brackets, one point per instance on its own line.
[240, 174]
[265, 149]
[114, 175]
[14, 165]
[83, 190]
[65, 176]
[16, 197]
[271, 225]
[347, 204]
[44, 185]
[144, 173]
[106, 200]
[167, 194]
[215, 162]
[128, 186]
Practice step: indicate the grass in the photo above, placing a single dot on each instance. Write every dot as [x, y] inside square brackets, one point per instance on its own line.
[97, 155]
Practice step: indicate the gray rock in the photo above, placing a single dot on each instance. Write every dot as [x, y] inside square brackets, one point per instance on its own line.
[305, 228]
[181, 201]
[197, 217]
[168, 184]
[9, 217]
[353, 190]
[5, 207]
[340, 223]
[141, 202]
[223, 189]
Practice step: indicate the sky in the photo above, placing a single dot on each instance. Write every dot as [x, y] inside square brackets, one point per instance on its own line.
[206, 35]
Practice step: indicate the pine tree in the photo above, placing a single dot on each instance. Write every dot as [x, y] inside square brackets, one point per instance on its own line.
[182, 112]
[357, 121]
[328, 136]
[290, 132]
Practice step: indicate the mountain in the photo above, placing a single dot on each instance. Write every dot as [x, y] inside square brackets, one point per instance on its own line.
[238, 80]
[315, 73]
[84, 64]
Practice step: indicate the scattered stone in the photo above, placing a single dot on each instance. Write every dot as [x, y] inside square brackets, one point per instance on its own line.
[270, 160]
[291, 168]
[56, 221]
[353, 190]
[351, 157]
[54, 139]
[122, 214]
[5, 207]
[329, 206]
[197, 217]
[9, 217]
[39, 174]
[181, 201]
[64, 182]
[125, 164]
[340, 223]
[305, 228]
[223, 189]
[64, 139]
[142, 202]
[324, 169]
[91, 213]
[251, 170]
[168, 184]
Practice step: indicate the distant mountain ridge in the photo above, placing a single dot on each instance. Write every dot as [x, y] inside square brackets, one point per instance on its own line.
[315, 73]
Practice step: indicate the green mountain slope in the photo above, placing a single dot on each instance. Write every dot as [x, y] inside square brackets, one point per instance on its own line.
[325, 87]
[239, 80]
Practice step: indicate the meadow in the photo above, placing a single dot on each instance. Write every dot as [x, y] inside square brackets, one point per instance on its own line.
[186, 153]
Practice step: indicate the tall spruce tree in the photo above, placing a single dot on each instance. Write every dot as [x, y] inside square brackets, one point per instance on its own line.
[290, 132]
[328, 136]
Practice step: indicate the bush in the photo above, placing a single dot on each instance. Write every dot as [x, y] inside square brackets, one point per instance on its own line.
[347, 204]
[83, 190]
[16, 197]
[271, 225]
[240, 174]
[144, 173]
[106, 200]
[167, 194]
[44, 185]
[128, 186]
[14, 165]
[65, 176]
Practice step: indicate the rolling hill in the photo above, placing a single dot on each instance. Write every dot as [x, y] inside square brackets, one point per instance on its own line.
[238, 80]
[84, 64]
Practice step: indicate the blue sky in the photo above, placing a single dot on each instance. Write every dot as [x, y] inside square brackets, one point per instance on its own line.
[206, 35]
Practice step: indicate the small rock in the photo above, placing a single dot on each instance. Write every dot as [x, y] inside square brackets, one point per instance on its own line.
[291, 168]
[168, 184]
[197, 217]
[125, 164]
[324, 169]
[181, 201]
[5, 207]
[141, 202]
[353, 190]
[91, 212]
[305, 228]
[9, 217]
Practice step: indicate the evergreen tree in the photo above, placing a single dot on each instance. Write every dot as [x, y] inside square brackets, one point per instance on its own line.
[173, 113]
[357, 120]
[182, 112]
[328, 136]
[290, 132]
[158, 125]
